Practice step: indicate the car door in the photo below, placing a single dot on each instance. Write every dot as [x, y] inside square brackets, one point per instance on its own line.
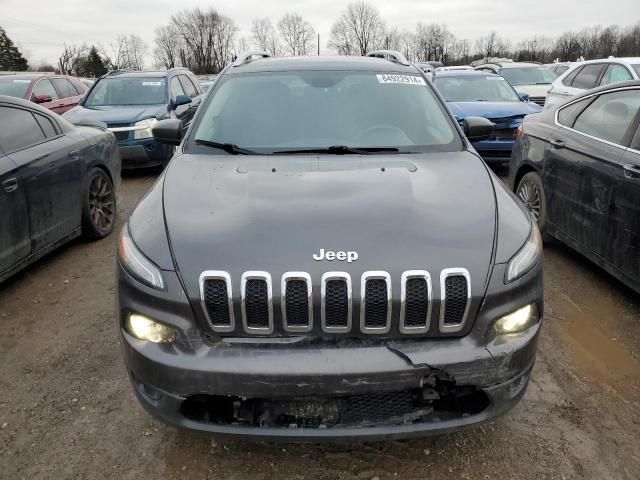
[191, 90]
[628, 205]
[181, 112]
[52, 175]
[597, 140]
[14, 231]
[46, 95]
[68, 94]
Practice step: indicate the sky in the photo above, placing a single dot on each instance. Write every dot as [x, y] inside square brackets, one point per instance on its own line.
[41, 27]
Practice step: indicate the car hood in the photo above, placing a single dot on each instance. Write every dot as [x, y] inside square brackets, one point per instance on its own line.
[236, 214]
[493, 110]
[534, 90]
[119, 114]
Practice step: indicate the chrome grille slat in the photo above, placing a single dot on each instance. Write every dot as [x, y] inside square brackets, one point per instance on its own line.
[296, 303]
[420, 306]
[375, 303]
[458, 299]
[253, 310]
[217, 320]
[332, 310]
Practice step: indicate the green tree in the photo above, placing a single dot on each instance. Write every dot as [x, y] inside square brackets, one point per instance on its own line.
[10, 56]
[92, 65]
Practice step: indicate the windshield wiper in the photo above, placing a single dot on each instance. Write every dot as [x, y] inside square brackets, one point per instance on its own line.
[227, 147]
[341, 150]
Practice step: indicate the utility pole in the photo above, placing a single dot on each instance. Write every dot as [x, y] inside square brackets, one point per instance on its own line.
[318, 44]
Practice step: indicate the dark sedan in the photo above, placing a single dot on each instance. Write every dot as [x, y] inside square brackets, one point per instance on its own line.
[577, 168]
[57, 93]
[57, 182]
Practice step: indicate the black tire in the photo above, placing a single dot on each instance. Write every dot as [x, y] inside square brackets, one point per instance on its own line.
[98, 205]
[530, 191]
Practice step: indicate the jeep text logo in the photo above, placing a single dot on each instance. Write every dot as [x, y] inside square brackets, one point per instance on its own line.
[341, 256]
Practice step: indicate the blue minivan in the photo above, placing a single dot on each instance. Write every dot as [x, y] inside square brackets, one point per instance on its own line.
[130, 103]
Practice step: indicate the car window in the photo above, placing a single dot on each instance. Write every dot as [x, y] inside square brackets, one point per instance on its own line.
[46, 125]
[615, 73]
[568, 80]
[636, 67]
[14, 87]
[270, 112]
[528, 75]
[19, 130]
[476, 88]
[44, 87]
[176, 88]
[610, 116]
[63, 87]
[114, 91]
[588, 77]
[78, 89]
[567, 115]
[188, 86]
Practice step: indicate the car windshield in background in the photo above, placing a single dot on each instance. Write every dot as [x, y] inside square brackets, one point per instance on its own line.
[14, 87]
[473, 88]
[276, 112]
[127, 91]
[528, 75]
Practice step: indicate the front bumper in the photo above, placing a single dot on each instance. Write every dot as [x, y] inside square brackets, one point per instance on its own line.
[143, 153]
[495, 151]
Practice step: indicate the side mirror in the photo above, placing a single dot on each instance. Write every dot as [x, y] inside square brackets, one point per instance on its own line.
[477, 128]
[42, 98]
[524, 96]
[181, 100]
[168, 131]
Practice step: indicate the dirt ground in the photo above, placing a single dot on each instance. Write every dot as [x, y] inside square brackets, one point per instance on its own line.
[67, 410]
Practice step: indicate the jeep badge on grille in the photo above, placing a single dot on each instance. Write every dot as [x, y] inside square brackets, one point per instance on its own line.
[349, 256]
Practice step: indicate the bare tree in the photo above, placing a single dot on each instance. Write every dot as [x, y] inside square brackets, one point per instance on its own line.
[359, 29]
[127, 52]
[434, 42]
[265, 36]
[297, 34]
[70, 57]
[567, 46]
[492, 45]
[167, 47]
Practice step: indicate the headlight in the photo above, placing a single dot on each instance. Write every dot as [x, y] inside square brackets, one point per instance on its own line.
[134, 262]
[526, 258]
[518, 321]
[146, 131]
[143, 328]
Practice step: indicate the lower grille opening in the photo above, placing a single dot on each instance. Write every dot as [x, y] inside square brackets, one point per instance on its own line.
[376, 303]
[363, 410]
[257, 303]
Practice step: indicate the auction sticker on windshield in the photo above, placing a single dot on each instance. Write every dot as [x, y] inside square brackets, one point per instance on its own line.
[151, 84]
[403, 79]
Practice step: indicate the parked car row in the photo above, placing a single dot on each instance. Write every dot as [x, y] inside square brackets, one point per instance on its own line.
[58, 93]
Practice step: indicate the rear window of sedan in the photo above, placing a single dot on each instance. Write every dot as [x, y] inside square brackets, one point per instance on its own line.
[269, 112]
[14, 87]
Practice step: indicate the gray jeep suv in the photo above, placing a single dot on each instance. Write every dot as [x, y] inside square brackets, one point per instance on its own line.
[327, 257]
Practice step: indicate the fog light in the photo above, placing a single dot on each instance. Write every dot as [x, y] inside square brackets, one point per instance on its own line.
[518, 321]
[143, 328]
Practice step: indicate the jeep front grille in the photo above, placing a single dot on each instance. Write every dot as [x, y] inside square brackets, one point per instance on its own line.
[376, 302]
[297, 306]
[257, 307]
[455, 299]
[336, 302]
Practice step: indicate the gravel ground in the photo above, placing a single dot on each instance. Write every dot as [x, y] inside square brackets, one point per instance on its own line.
[67, 410]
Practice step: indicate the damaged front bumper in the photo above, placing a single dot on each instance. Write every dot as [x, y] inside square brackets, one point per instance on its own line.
[314, 393]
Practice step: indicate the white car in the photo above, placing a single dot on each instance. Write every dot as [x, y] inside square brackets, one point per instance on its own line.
[532, 78]
[590, 74]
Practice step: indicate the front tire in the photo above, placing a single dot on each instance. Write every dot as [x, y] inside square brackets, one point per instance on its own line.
[530, 191]
[99, 205]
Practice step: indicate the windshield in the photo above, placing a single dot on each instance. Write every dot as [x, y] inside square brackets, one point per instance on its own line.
[14, 87]
[474, 88]
[528, 75]
[274, 112]
[127, 91]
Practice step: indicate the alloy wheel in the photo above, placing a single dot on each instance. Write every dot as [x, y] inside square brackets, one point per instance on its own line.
[101, 203]
[529, 193]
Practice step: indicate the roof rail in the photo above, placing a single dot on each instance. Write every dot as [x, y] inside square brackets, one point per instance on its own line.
[248, 57]
[391, 55]
[177, 68]
[118, 71]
